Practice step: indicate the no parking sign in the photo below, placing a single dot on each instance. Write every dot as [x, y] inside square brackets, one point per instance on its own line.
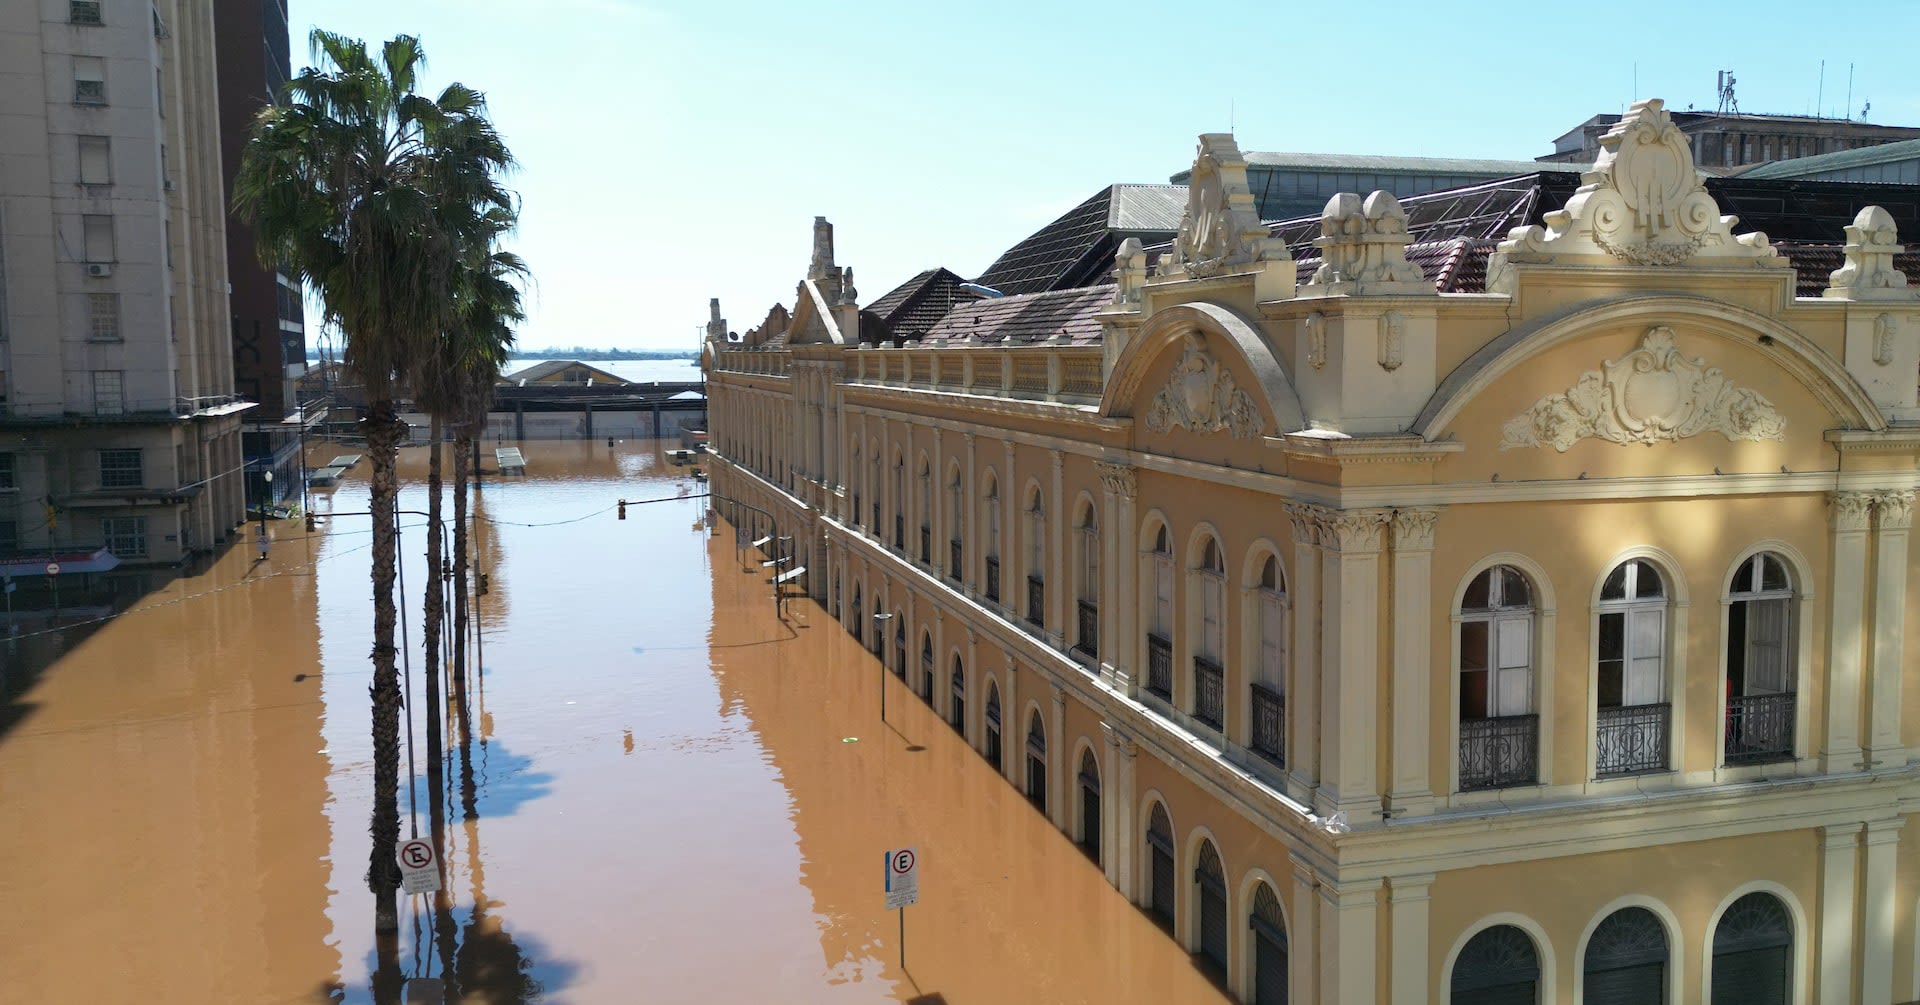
[903, 878]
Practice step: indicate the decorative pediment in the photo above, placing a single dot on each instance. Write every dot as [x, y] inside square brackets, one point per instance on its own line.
[1652, 394]
[1642, 203]
[1363, 248]
[1129, 274]
[1220, 228]
[1869, 274]
[1201, 395]
[716, 325]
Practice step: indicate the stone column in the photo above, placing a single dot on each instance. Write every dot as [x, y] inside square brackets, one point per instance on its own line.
[972, 548]
[1349, 929]
[883, 466]
[1303, 687]
[1013, 729]
[1056, 628]
[936, 508]
[1349, 665]
[1012, 538]
[1833, 956]
[975, 692]
[1894, 513]
[1411, 789]
[1117, 559]
[1846, 627]
[1116, 806]
[1303, 938]
[1407, 898]
[1877, 911]
[1059, 752]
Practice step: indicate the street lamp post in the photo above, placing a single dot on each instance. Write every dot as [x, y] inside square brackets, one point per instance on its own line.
[880, 619]
[266, 500]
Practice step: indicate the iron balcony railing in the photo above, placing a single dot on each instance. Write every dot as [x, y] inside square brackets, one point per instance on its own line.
[1269, 723]
[1632, 739]
[926, 544]
[1499, 752]
[1089, 639]
[1160, 666]
[993, 579]
[1036, 601]
[953, 560]
[1209, 691]
[1760, 728]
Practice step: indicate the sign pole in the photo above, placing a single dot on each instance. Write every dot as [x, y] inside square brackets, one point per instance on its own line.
[903, 938]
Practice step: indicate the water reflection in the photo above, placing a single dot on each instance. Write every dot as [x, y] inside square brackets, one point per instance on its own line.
[650, 797]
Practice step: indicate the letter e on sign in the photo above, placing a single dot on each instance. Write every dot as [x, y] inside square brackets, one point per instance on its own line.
[903, 878]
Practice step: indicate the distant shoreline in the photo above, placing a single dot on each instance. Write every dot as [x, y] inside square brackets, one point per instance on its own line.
[584, 354]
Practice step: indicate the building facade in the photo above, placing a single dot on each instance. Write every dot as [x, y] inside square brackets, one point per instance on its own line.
[120, 424]
[1733, 139]
[1543, 642]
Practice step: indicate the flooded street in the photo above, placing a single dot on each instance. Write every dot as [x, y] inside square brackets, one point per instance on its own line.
[678, 796]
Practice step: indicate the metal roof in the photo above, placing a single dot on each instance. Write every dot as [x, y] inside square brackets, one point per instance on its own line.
[1077, 249]
[1839, 160]
[1148, 208]
[1382, 164]
[908, 310]
[1033, 317]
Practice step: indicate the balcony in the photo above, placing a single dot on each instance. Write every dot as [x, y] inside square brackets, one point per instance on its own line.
[1760, 728]
[954, 565]
[926, 545]
[1160, 667]
[1632, 739]
[1269, 724]
[1500, 752]
[1088, 640]
[1036, 602]
[992, 585]
[1209, 691]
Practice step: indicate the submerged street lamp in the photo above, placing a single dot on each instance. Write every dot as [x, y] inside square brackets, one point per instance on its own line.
[265, 501]
[880, 619]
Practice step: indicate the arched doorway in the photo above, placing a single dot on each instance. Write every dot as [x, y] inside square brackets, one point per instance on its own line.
[1210, 882]
[900, 645]
[859, 616]
[926, 669]
[1626, 961]
[1269, 947]
[991, 744]
[1037, 762]
[1752, 950]
[957, 708]
[1089, 805]
[1160, 881]
[1498, 966]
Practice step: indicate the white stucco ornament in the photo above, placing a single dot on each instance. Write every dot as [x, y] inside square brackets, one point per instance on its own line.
[1642, 203]
[1202, 396]
[1652, 394]
[1869, 273]
[1363, 249]
[1220, 228]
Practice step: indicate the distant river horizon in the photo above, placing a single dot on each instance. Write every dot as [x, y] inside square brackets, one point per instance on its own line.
[640, 370]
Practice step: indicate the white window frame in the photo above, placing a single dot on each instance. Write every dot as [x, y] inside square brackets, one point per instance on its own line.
[120, 454]
[1803, 609]
[1210, 584]
[109, 392]
[1677, 603]
[1501, 619]
[103, 317]
[131, 529]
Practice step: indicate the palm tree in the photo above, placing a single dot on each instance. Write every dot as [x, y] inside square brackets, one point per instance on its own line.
[369, 192]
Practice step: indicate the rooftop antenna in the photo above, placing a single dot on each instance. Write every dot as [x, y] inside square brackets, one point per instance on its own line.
[1849, 105]
[1728, 103]
[1230, 111]
[1864, 109]
[1820, 96]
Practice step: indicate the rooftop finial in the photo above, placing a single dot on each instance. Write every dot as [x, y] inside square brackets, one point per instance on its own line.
[822, 265]
[1869, 273]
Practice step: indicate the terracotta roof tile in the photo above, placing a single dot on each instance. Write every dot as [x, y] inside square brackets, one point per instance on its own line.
[1019, 320]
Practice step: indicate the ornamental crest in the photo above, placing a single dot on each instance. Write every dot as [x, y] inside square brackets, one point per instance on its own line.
[1201, 396]
[1650, 395]
[1220, 228]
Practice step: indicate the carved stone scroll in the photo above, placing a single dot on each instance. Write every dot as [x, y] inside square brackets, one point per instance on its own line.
[1650, 395]
[1201, 396]
[1221, 227]
[1363, 248]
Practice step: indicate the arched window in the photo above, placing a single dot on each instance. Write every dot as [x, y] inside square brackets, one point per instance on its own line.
[1761, 678]
[1626, 962]
[1269, 947]
[1086, 585]
[1089, 805]
[1499, 730]
[992, 503]
[926, 668]
[855, 466]
[1498, 966]
[873, 489]
[1037, 762]
[956, 529]
[900, 645]
[1160, 617]
[957, 708]
[835, 595]
[991, 746]
[1209, 680]
[1210, 882]
[1036, 561]
[1633, 717]
[926, 513]
[1160, 879]
[859, 616]
[1268, 675]
[1752, 952]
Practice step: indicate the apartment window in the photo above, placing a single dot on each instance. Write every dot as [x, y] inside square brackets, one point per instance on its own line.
[1499, 730]
[159, 94]
[103, 317]
[89, 80]
[96, 160]
[6, 472]
[83, 12]
[1760, 662]
[126, 536]
[122, 469]
[97, 234]
[1633, 710]
[109, 396]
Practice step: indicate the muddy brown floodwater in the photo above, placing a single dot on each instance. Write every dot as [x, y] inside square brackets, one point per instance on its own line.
[678, 797]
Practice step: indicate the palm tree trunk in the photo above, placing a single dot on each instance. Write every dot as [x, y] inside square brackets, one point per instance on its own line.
[462, 443]
[432, 619]
[383, 431]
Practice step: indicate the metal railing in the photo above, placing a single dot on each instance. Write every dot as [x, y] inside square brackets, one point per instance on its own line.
[992, 586]
[1632, 739]
[1269, 723]
[1088, 640]
[953, 561]
[1160, 666]
[1499, 752]
[1036, 601]
[1209, 691]
[1760, 727]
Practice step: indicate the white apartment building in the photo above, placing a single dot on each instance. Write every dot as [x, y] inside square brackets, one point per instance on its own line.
[119, 426]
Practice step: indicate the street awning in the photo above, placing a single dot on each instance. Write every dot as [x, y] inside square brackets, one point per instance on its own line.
[70, 563]
[790, 575]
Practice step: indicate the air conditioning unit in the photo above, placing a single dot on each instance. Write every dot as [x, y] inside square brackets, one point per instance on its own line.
[99, 270]
[168, 184]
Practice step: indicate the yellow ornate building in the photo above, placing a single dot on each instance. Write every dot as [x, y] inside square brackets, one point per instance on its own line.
[1400, 615]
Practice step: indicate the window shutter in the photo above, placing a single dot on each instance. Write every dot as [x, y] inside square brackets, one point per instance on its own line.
[1513, 659]
[1646, 635]
[1273, 651]
[1767, 646]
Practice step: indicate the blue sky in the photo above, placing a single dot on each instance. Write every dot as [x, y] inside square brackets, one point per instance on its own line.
[675, 151]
